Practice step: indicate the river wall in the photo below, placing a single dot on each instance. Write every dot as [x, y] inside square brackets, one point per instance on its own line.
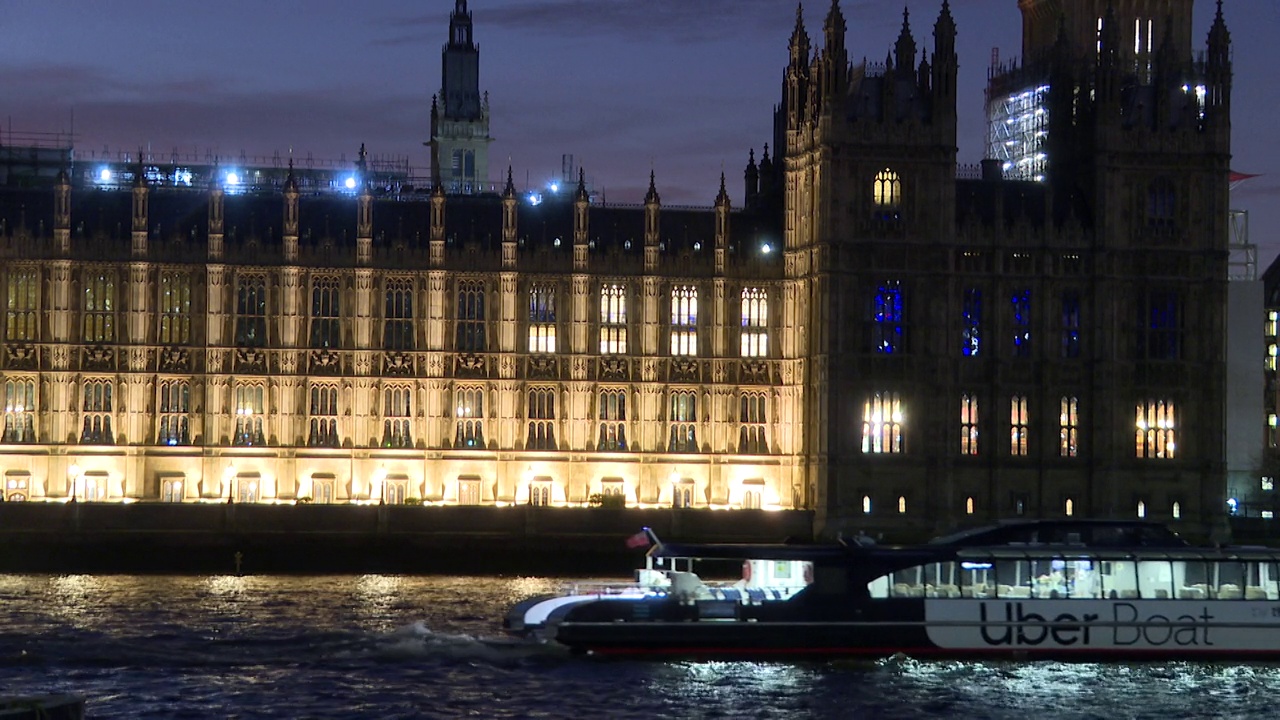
[219, 538]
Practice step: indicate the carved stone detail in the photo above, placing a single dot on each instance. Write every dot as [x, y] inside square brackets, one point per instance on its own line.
[543, 367]
[649, 370]
[469, 365]
[98, 358]
[754, 372]
[685, 370]
[326, 362]
[435, 365]
[20, 357]
[397, 364]
[507, 367]
[578, 371]
[175, 360]
[613, 368]
[251, 361]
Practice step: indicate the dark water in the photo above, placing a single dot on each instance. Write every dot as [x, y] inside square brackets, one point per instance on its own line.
[430, 647]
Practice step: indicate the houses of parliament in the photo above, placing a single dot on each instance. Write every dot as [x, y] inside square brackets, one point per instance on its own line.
[873, 333]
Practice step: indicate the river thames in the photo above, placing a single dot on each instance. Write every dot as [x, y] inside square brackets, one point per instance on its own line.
[378, 646]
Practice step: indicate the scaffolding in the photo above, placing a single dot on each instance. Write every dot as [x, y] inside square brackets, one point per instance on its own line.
[1018, 126]
[1242, 262]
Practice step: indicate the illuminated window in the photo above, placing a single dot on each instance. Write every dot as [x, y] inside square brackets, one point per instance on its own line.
[249, 408]
[471, 318]
[175, 409]
[540, 492]
[752, 439]
[1018, 426]
[171, 490]
[969, 425]
[1160, 320]
[96, 406]
[684, 320]
[683, 421]
[542, 319]
[613, 320]
[1177, 510]
[326, 314]
[1069, 427]
[251, 311]
[971, 319]
[23, 291]
[323, 411]
[902, 504]
[1142, 509]
[1273, 432]
[469, 412]
[1021, 317]
[19, 411]
[1268, 483]
[541, 413]
[755, 323]
[397, 409]
[887, 189]
[1273, 323]
[613, 421]
[887, 336]
[397, 324]
[751, 499]
[1069, 507]
[682, 494]
[175, 308]
[1156, 429]
[882, 423]
[968, 505]
[99, 308]
[1070, 324]
[866, 504]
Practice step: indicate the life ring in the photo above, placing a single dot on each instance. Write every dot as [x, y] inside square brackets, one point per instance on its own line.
[746, 570]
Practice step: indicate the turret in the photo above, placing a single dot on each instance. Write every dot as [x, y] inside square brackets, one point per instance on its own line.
[1218, 67]
[509, 218]
[290, 216]
[945, 63]
[62, 213]
[752, 178]
[652, 211]
[836, 58]
[140, 209]
[581, 222]
[215, 216]
[723, 211]
[905, 48]
[797, 74]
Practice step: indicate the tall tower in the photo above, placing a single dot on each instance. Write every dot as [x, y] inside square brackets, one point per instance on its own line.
[460, 114]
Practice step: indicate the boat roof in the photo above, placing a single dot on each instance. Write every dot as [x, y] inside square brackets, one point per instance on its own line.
[743, 551]
[1069, 531]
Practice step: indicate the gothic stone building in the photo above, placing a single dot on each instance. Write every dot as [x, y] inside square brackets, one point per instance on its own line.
[925, 347]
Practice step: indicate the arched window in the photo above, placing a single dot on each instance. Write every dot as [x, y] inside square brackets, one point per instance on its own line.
[902, 504]
[471, 318]
[174, 405]
[324, 416]
[542, 319]
[1177, 510]
[752, 437]
[684, 320]
[97, 409]
[887, 189]
[1070, 507]
[469, 413]
[613, 421]
[175, 308]
[396, 411]
[99, 308]
[251, 311]
[882, 421]
[1156, 429]
[683, 420]
[1161, 203]
[541, 412]
[969, 425]
[755, 320]
[249, 408]
[326, 314]
[613, 320]
[968, 506]
[397, 330]
[866, 504]
[23, 292]
[1142, 509]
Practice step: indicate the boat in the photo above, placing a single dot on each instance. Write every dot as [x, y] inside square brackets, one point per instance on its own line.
[1037, 589]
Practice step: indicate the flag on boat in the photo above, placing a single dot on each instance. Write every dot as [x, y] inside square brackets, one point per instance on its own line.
[639, 540]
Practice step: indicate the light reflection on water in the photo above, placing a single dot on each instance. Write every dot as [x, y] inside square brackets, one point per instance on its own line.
[430, 647]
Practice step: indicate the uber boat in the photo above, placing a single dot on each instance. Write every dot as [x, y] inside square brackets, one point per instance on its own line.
[1063, 589]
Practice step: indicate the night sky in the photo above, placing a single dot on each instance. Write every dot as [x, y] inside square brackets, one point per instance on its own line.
[684, 87]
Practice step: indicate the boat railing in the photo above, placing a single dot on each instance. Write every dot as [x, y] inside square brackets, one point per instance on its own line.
[724, 590]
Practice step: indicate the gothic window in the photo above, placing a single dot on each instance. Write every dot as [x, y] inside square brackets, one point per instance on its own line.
[684, 320]
[1069, 507]
[251, 311]
[969, 505]
[755, 323]
[397, 407]
[1070, 324]
[249, 409]
[613, 421]
[397, 328]
[540, 492]
[469, 414]
[887, 190]
[1161, 203]
[96, 407]
[323, 414]
[171, 490]
[682, 494]
[882, 421]
[1021, 322]
[19, 411]
[752, 435]
[542, 319]
[541, 413]
[866, 504]
[971, 322]
[1156, 430]
[1161, 326]
[613, 320]
[969, 425]
[175, 409]
[21, 319]
[1069, 427]
[99, 308]
[683, 420]
[887, 335]
[326, 314]
[1018, 426]
[175, 308]
[471, 318]
[751, 499]
[902, 504]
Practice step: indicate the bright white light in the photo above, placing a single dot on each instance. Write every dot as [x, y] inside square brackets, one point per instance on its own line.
[233, 178]
[535, 199]
[350, 183]
[105, 175]
[766, 249]
[555, 187]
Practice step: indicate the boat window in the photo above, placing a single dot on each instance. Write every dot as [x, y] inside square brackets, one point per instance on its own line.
[1155, 579]
[1231, 580]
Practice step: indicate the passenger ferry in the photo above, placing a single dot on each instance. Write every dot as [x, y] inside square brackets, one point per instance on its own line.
[1063, 589]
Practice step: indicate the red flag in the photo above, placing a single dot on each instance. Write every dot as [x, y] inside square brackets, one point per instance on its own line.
[639, 540]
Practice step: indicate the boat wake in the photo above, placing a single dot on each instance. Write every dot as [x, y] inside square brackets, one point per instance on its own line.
[416, 640]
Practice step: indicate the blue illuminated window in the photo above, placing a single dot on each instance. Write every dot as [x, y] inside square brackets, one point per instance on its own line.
[1164, 326]
[886, 319]
[1021, 323]
[971, 316]
[1070, 324]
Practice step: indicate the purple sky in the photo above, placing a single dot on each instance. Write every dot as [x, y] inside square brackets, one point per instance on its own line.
[681, 86]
